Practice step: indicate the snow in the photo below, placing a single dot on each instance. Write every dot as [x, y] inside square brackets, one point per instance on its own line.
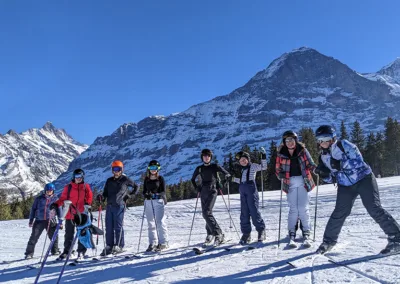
[360, 237]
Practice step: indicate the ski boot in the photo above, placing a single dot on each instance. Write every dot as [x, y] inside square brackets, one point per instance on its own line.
[161, 247]
[261, 236]
[306, 239]
[219, 239]
[29, 256]
[55, 252]
[151, 248]
[208, 240]
[292, 240]
[106, 251]
[117, 250]
[325, 247]
[245, 239]
[393, 245]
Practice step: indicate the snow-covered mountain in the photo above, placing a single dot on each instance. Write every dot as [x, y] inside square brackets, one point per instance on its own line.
[35, 157]
[302, 88]
[389, 75]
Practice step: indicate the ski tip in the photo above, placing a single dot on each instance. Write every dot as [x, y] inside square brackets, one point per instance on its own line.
[291, 264]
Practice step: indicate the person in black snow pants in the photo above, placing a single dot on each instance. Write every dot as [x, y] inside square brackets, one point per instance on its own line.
[249, 199]
[39, 220]
[116, 193]
[341, 161]
[208, 192]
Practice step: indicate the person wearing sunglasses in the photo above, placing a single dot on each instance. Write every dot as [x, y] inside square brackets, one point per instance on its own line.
[116, 193]
[80, 194]
[341, 162]
[155, 199]
[249, 199]
[208, 194]
[293, 167]
[40, 219]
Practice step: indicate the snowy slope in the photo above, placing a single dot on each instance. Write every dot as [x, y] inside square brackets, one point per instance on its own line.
[301, 88]
[360, 237]
[35, 157]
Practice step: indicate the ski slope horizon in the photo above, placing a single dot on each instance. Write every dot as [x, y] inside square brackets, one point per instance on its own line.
[360, 237]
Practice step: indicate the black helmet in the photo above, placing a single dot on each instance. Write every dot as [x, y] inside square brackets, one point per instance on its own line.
[325, 131]
[242, 154]
[78, 172]
[206, 152]
[154, 163]
[289, 133]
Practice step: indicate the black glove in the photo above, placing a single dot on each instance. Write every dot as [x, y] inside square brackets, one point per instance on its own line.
[147, 195]
[335, 164]
[219, 185]
[282, 175]
[53, 222]
[99, 198]
[322, 171]
[199, 188]
[125, 198]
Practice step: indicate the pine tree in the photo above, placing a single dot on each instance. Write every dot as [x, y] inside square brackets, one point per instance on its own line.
[392, 151]
[370, 154]
[357, 136]
[5, 211]
[380, 151]
[308, 138]
[272, 180]
[343, 131]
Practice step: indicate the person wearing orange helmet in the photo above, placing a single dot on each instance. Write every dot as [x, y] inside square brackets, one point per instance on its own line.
[116, 192]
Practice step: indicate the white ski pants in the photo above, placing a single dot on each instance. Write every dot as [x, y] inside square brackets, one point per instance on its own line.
[298, 200]
[158, 233]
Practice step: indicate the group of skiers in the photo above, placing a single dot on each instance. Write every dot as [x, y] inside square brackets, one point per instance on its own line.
[339, 162]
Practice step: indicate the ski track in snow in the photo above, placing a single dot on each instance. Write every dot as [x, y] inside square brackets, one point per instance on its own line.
[360, 237]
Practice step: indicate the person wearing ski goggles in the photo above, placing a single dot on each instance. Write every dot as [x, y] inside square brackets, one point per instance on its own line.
[154, 193]
[341, 161]
[116, 192]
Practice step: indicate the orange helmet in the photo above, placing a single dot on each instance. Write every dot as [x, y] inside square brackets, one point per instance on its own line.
[117, 164]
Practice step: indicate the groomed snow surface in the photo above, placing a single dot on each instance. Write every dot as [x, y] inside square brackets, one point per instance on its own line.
[360, 237]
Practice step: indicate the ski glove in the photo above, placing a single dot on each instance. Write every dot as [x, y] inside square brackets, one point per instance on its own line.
[322, 171]
[199, 188]
[126, 197]
[147, 195]
[263, 153]
[282, 175]
[30, 225]
[99, 198]
[335, 164]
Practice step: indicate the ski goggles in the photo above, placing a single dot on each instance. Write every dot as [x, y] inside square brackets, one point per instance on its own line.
[324, 139]
[289, 139]
[153, 168]
[78, 176]
[116, 169]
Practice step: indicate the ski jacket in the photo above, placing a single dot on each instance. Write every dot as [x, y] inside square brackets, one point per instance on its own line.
[305, 161]
[79, 194]
[249, 173]
[40, 210]
[115, 190]
[208, 174]
[151, 186]
[345, 163]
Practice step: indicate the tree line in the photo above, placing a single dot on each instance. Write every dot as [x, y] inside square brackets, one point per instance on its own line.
[381, 150]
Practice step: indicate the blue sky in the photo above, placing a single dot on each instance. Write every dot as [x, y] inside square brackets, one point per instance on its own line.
[90, 66]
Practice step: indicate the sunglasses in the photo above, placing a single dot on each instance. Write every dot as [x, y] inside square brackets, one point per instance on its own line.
[78, 176]
[153, 168]
[289, 139]
[324, 139]
[116, 169]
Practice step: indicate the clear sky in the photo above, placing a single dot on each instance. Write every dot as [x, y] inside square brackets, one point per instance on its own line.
[90, 66]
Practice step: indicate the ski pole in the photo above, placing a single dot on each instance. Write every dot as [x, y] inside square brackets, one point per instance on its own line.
[48, 228]
[98, 225]
[122, 226]
[280, 215]
[316, 205]
[141, 227]
[262, 187]
[194, 214]
[67, 203]
[229, 205]
[67, 258]
[230, 216]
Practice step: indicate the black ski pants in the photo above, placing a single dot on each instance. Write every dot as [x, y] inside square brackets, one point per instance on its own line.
[208, 197]
[37, 229]
[368, 190]
[69, 237]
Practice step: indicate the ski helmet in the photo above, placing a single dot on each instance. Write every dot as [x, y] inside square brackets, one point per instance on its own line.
[206, 152]
[78, 172]
[243, 154]
[289, 133]
[325, 131]
[117, 163]
[154, 165]
[50, 186]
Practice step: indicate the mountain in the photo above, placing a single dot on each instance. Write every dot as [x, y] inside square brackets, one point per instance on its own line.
[301, 88]
[35, 157]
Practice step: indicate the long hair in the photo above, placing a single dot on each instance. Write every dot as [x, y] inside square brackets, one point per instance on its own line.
[148, 174]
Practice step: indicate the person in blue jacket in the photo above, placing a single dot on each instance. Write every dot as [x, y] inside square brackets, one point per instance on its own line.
[342, 162]
[39, 220]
